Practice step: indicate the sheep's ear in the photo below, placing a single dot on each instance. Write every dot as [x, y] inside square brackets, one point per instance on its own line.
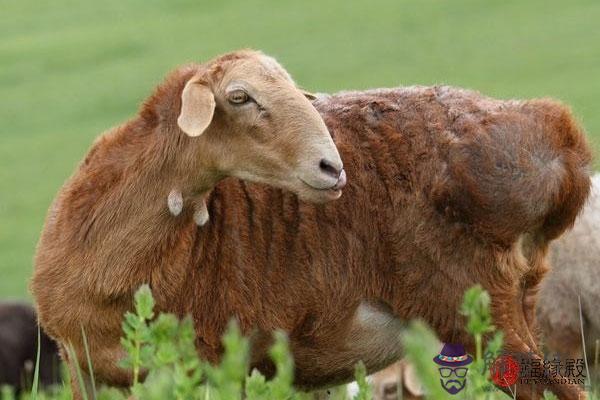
[197, 108]
[308, 95]
[411, 381]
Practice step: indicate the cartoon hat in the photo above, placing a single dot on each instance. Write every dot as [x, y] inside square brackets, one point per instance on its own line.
[453, 355]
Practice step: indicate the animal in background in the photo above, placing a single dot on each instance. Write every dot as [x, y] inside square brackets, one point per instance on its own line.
[575, 259]
[18, 349]
[388, 382]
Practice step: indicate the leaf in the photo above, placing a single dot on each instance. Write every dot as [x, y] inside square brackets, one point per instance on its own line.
[549, 396]
[476, 307]
[256, 386]
[365, 392]
[144, 302]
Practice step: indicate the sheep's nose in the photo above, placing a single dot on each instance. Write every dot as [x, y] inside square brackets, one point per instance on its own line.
[330, 169]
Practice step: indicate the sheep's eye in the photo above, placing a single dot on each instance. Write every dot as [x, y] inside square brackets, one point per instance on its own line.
[238, 97]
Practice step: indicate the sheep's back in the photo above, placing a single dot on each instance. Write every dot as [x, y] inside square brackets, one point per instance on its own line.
[497, 168]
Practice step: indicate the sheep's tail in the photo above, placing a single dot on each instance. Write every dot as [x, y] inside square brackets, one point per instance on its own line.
[565, 182]
[522, 170]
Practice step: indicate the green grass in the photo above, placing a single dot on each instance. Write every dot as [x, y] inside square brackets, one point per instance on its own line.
[71, 69]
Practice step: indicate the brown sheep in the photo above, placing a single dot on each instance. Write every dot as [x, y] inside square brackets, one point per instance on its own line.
[18, 349]
[446, 188]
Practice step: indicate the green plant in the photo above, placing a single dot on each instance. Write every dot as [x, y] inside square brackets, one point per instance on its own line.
[422, 345]
[364, 389]
[7, 393]
[163, 349]
[36, 376]
[163, 359]
[162, 356]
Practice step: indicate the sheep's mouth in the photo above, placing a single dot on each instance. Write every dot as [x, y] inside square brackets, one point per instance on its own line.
[329, 193]
[336, 187]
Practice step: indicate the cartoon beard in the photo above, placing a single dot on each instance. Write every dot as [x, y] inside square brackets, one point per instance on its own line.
[453, 386]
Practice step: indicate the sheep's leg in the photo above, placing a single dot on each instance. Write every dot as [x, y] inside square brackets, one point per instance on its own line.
[531, 286]
[529, 301]
[509, 316]
[104, 363]
[533, 253]
[528, 294]
[76, 384]
[506, 313]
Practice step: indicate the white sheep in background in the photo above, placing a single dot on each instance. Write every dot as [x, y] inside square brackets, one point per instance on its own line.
[575, 272]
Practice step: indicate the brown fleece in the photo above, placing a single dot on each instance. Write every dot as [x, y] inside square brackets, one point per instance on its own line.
[446, 189]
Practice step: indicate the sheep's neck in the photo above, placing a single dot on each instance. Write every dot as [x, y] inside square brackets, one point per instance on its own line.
[127, 226]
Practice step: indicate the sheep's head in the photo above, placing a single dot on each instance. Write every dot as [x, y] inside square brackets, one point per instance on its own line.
[251, 121]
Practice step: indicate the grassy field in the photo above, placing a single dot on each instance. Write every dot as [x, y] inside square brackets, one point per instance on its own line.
[71, 69]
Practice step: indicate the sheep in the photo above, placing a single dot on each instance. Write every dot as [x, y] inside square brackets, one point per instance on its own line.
[18, 349]
[445, 188]
[575, 260]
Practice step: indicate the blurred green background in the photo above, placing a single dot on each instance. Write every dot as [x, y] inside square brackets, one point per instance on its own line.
[71, 69]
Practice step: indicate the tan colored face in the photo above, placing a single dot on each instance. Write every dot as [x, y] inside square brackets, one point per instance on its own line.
[256, 125]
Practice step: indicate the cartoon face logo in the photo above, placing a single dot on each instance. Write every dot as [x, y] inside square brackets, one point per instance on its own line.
[453, 362]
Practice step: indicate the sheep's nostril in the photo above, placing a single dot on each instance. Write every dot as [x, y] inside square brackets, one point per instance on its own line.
[328, 167]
